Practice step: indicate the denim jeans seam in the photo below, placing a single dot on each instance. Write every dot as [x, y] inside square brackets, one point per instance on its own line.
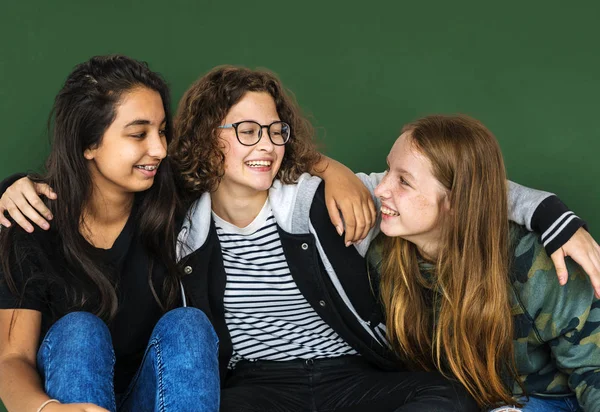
[47, 364]
[159, 369]
[114, 398]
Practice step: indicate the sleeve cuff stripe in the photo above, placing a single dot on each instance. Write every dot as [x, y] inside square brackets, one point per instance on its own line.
[549, 231]
[557, 231]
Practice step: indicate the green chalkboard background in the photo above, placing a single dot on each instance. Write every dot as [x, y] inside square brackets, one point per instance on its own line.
[529, 70]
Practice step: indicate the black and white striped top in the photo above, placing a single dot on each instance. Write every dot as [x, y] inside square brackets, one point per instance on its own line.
[267, 316]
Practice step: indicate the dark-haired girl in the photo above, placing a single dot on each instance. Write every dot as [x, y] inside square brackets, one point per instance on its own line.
[99, 294]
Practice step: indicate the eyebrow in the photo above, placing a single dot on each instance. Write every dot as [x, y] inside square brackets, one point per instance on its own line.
[141, 122]
[405, 172]
[253, 120]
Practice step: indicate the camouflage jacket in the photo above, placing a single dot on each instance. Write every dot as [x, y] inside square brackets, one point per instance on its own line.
[557, 329]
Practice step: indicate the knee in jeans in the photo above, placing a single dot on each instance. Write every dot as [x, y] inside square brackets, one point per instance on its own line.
[77, 337]
[188, 322]
[80, 327]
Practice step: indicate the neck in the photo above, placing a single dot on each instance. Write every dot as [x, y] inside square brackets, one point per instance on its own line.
[239, 210]
[107, 210]
[428, 252]
[428, 248]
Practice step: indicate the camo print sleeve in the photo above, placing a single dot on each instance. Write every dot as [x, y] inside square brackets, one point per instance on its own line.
[557, 342]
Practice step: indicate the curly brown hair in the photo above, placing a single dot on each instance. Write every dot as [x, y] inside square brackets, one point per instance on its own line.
[196, 151]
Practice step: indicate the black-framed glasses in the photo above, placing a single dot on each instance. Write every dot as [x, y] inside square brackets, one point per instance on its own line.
[249, 132]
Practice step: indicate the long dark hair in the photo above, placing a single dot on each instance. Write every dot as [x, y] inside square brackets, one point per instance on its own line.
[83, 110]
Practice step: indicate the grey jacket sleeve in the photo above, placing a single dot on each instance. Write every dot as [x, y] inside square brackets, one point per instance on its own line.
[523, 202]
[371, 181]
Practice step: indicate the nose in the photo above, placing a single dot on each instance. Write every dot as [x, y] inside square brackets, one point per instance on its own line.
[381, 191]
[265, 144]
[157, 146]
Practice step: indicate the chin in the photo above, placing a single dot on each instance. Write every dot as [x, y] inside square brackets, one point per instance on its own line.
[142, 187]
[391, 230]
[262, 188]
[262, 184]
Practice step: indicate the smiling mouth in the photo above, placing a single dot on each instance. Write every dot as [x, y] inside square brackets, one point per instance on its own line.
[146, 167]
[389, 212]
[259, 163]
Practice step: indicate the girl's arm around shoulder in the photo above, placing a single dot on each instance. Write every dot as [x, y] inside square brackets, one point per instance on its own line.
[567, 318]
[20, 198]
[346, 194]
[561, 231]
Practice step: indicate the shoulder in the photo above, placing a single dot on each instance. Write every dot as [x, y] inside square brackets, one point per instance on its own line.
[27, 258]
[375, 254]
[31, 244]
[291, 203]
[195, 227]
[291, 194]
[534, 280]
[531, 262]
[371, 180]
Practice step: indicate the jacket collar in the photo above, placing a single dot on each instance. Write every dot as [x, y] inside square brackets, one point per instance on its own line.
[290, 204]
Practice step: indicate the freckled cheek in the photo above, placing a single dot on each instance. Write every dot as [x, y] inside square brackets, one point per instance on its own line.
[420, 202]
[416, 206]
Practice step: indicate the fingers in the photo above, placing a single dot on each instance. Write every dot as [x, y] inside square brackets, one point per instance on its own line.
[558, 258]
[3, 220]
[22, 211]
[373, 211]
[595, 258]
[21, 200]
[94, 408]
[18, 217]
[350, 221]
[89, 407]
[34, 200]
[370, 215]
[590, 264]
[45, 190]
[355, 223]
[358, 218]
[334, 215]
[584, 250]
[594, 270]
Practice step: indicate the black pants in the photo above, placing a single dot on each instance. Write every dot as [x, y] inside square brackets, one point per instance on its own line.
[347, 383]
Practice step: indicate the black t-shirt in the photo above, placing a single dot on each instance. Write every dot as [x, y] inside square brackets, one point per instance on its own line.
[127, 262]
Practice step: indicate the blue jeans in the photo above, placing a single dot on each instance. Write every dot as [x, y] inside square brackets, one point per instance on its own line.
[543, 404]
[179, 372]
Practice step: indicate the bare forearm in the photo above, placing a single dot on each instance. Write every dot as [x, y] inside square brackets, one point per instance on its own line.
[328, 166]
[20, 385]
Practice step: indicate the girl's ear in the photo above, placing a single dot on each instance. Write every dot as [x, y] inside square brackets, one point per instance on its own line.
[89, 153]
[446, 202]
[223, 145]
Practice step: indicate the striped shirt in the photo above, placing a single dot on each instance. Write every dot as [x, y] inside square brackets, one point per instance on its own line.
[267, 316]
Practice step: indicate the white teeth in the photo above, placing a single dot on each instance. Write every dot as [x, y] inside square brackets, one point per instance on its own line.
[259, 163]
[148, 168]
[389, 212]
